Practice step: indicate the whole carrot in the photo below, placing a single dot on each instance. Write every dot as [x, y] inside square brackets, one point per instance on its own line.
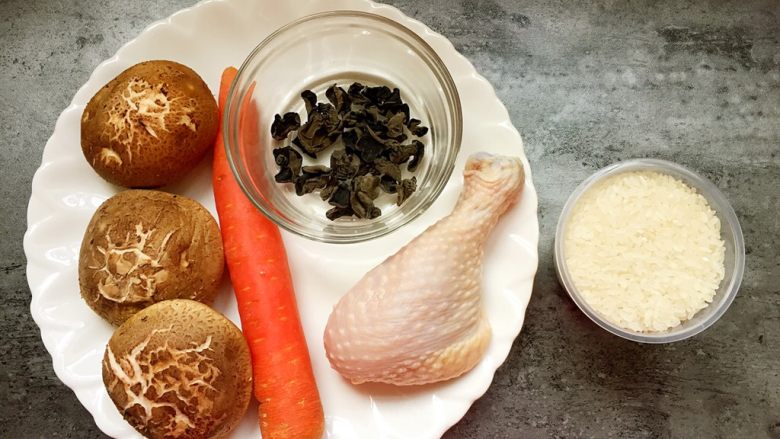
[283, 379]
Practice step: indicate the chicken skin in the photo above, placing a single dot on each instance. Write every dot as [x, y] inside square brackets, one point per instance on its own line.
[417, 317]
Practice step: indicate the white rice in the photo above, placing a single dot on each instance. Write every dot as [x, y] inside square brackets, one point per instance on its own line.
[644, 250]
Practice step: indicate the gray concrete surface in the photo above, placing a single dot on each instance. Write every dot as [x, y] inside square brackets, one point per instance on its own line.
[587, 84]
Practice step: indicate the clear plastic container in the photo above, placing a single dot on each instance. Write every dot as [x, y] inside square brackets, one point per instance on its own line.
[731, 233]
[313, 53]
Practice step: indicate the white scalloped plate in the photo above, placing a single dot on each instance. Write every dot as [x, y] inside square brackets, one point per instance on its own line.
[209, 37]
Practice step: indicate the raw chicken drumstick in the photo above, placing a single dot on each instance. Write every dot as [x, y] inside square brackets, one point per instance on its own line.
[417, 318]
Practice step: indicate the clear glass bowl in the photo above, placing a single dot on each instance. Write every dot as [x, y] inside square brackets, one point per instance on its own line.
[731, 233]
[313, 53]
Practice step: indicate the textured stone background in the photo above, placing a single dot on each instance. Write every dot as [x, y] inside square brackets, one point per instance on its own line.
[587, 84]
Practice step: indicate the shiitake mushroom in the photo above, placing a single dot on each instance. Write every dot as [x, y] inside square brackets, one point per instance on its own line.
[150, 125]
[179, 369]
[145, 246]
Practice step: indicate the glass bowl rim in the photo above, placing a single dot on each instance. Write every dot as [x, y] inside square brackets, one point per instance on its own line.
[443, 77]
[717, 202]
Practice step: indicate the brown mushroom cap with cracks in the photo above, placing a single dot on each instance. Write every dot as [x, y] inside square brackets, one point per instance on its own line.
[150, 125]
[143, 247]
[179, 369]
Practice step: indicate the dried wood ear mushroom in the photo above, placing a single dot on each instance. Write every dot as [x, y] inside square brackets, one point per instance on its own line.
[144, 246]
[150, 125]
[371, 123]
[179, 369]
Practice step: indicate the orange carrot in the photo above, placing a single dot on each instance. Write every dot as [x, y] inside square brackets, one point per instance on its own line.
[283, 379]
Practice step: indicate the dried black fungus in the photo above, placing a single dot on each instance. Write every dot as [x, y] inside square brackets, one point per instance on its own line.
[417, 129]
[365, 189]
[402, 153]
[367, 184]
[289, 162]
[395, 126]
[378, 95]
[406, 188]
[313, 177]
[388, 184]
[375, 116]
[316, 169]
[365, 168]
[339, 98]
[354, 119]
[344, 164]
[341, 195]
[373, 124]
[386, 168]
[355, 92]
[310, 100]
[419, 149]
[321, 130]
[337, 212]
[350, 139]
[369, 148]
[403, 108]
[326, 192]
[284, 175]
[363, 206]
[284, 125]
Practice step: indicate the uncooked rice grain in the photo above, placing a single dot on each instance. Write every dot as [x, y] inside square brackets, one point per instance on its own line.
[644, 250]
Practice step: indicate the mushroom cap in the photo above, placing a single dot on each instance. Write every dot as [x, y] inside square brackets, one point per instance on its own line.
[179, 369]
[150, 125]
[144, 246]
